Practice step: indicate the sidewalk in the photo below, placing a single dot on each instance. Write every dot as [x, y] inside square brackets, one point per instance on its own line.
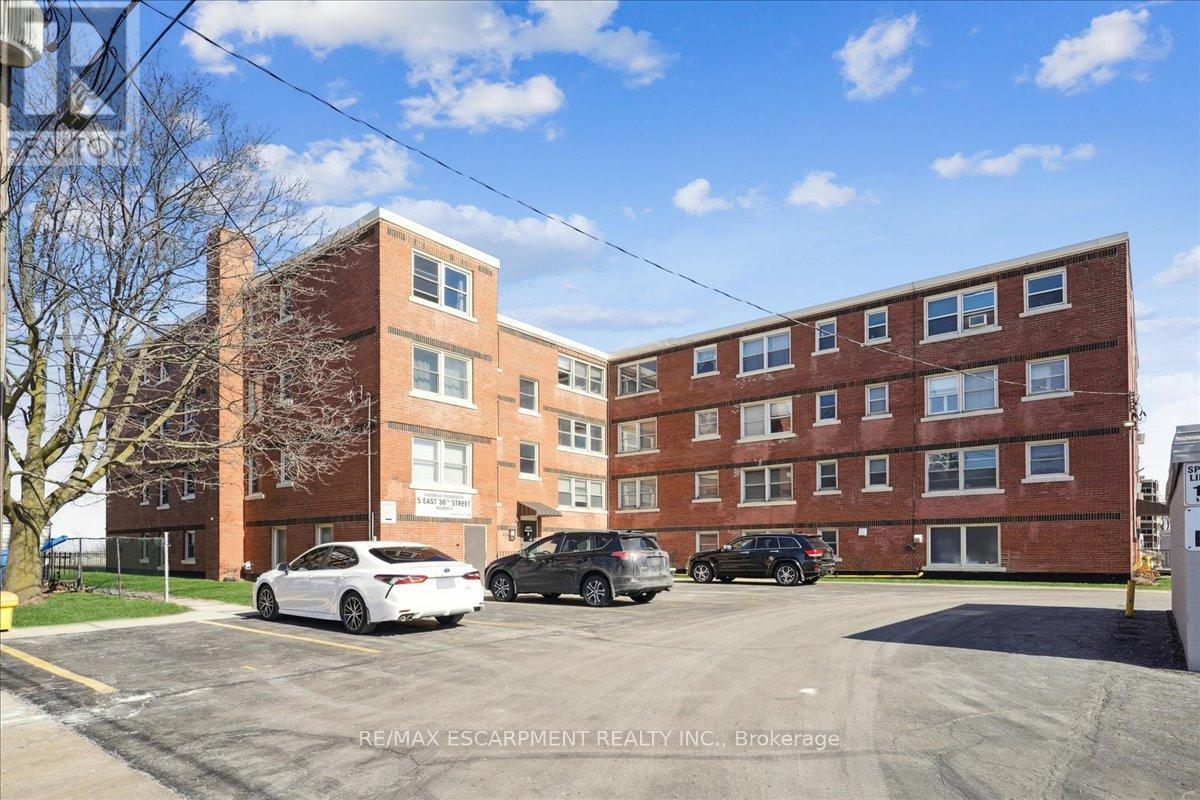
[200, 610]
[41, 758]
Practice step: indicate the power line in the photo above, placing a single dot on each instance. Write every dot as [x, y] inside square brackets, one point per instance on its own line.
[598, 239]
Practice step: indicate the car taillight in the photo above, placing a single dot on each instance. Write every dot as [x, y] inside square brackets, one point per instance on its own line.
[811, 553]
[622, 554]
[398, 580]
[472, 576]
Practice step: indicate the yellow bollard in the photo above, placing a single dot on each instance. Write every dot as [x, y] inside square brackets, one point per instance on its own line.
[1129, 599]
[8, 601]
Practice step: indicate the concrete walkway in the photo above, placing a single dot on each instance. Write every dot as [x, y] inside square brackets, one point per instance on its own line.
[200, 610]
[41, 758]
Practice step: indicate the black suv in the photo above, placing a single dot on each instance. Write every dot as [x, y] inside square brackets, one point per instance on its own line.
[788, 558]
[598, 565]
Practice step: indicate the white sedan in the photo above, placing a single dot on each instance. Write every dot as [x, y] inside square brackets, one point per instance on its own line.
[365, 583]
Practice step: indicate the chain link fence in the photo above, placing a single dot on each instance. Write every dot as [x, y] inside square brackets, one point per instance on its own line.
[135, 566]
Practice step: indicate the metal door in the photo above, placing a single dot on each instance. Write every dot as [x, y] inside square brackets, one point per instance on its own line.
[475, 546]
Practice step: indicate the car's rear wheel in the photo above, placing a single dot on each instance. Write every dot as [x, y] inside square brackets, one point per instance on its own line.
[551, 595]
[702, 572]
[503, 588]
[356, 618]
[642, 597]
[267, 605]
[787, 574]
[596, 591]
[725, 579]
[449, 620]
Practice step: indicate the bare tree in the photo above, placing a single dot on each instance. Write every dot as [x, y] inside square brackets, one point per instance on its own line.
[127, 365]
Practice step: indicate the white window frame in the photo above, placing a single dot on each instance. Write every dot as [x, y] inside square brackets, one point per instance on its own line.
[766, 434]
[640, 436]
[1062, 305]
[439, 462]
[276, 555]
[144, 549]
[318, 529]
[164, 494]
[439, 395]
[716, 370]
[285, 470]
[707, 533]
[768, 500]
[588, 483]
[589, 370]
[440, 303]
[696, 498]
[962, 467]
[164, 373]
[189, 485]
[961, 394]
[697, 436]
[285, 383]
[887, 485]
[962, 566]
[959, 330]
[589, 428]
[188, 551]
[887, 401]
[253, 490]
[189, 416]
[817, 421]
[145, 495]
[764, 338]
[887, 326]
[818, 350]
[537, 390]
[1056, 477]
[537, 461]
[638, 484]
[837, 486]
[837, 541]
[285, 303]
[1031, 395]
[638, 378]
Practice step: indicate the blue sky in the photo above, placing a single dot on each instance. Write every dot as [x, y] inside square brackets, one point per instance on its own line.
[791, 153]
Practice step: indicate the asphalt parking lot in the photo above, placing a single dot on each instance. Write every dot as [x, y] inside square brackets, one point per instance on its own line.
[732, 691]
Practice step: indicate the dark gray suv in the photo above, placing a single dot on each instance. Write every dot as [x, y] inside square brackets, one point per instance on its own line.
[597, 565]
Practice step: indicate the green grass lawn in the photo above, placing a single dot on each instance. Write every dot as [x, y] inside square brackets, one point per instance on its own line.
[65, 607]
[240, 592]
[1164, 583]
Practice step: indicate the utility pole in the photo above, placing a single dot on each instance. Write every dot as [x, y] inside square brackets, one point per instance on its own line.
[370, 500]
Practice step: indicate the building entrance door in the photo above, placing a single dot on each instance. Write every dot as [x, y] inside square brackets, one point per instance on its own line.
[475, 545]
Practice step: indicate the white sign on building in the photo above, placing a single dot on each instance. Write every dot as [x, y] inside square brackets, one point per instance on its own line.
[387, 510]
[1191, 484]
[444, 504]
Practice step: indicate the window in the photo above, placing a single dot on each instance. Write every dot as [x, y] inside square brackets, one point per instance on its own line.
[1047, 376]
[144, 549]
[964, 546]
[637, 378]
[580, 376]
[164, 494]
[1046, 290]
[960, 312]
[341, 558]
[580, 436]
[875, 324]
[145, 494]
[285, 469]
[707, 486]
[164, 372]
[633, 437]
[770, 419]
[706, 424]
[829, 537]
[826, 407]
[439, 283]
[285, 387]
[441, 464]
[251, 477]
[189, 485]
[251, 398]
[704, 360]
[954, 471]
[580, 493]
[772, 351]
[766, 485]
[286, 305]
[189, 415]
[1046, 461]
[637, 493]
[827, 476]
[877, 399]
[189, 547]
[976, 390]
[877, 472]
[441, 374]
[324, 534]
[528, 395]
[826, 336]
[529, 459]
[278, 545]
[707, 540]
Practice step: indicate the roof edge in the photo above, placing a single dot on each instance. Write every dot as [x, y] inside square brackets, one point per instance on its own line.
[552, 338]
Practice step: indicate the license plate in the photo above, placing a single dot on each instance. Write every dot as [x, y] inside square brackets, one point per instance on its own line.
[445, 583]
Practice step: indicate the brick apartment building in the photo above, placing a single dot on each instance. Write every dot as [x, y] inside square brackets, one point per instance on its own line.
[490, 431]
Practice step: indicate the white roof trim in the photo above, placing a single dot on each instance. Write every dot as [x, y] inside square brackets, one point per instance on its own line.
[823, 309]
[429, 233]
[552, 338]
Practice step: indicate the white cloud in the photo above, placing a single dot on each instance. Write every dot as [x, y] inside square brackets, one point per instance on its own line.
[1184, 267]
[342, 169]
[818, 191]
[1051, 157]
[593, 317]
[480, 105]
[874, 63]
[753, 198]
[696, 199]
[340, 93]
[1090, 59]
